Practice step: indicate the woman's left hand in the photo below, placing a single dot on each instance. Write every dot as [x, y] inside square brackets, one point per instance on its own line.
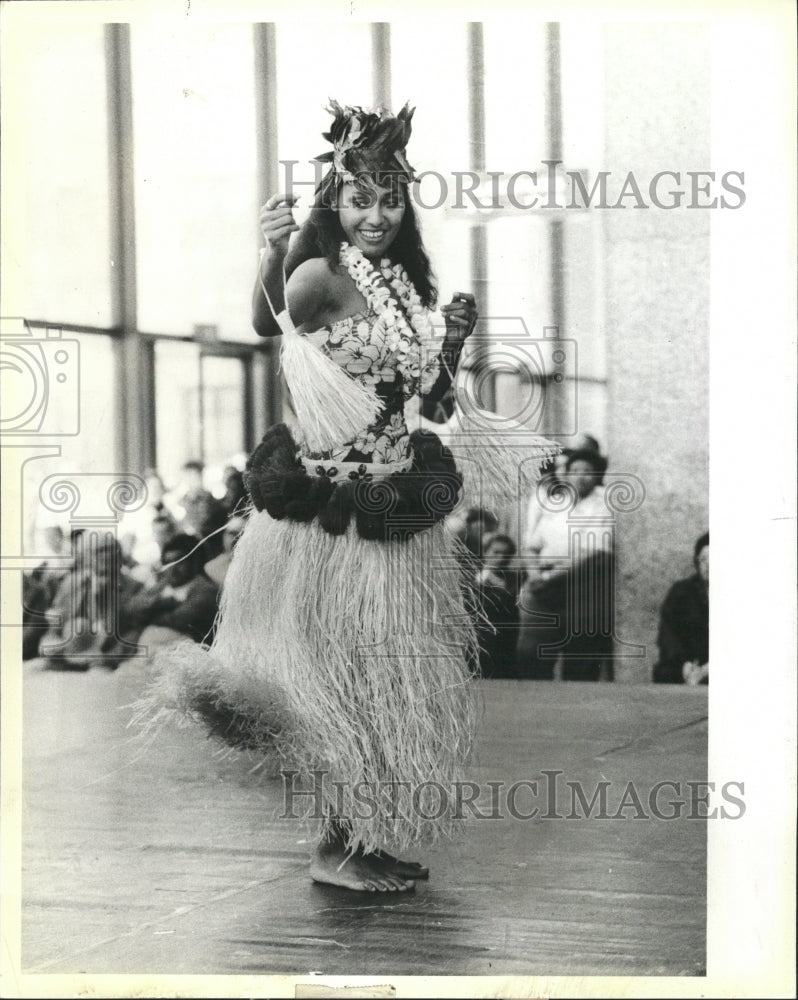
[460, 316]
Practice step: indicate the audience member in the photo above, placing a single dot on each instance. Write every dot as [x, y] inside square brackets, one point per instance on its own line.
[211, 518]
[87, 616]
[216, 569]
[235, 497]
[189, 496]
[142, 532]
[39, 588]
[551, 479]
[479, 522]
[566, 602]
[199, 512]
[182, 604]
[683, 638]
[496, 587]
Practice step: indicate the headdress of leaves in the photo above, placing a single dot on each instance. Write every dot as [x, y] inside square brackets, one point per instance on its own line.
[368, 141]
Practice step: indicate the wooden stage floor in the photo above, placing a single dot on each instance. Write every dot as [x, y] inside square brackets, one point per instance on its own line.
[173, 860]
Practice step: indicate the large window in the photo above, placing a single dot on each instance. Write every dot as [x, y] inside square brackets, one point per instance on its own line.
[224, 397]
[194, 191]
[78, 418]
[316, 62]
[430, 69]
[178, 425]
[200, 406]
[195, 177]
[56, 259]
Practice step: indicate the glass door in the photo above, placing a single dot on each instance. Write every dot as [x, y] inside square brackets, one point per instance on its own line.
[223, 414]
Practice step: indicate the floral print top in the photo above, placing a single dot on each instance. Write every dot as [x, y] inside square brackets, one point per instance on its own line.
[360, 346]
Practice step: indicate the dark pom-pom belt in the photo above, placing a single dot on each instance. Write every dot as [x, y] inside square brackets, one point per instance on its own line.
[391, 507]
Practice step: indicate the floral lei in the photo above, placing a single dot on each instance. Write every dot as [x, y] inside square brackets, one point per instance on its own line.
[405, 339]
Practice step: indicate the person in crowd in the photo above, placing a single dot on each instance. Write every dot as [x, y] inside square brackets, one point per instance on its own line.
[200, 513]
[478, 525]
[552, 478]
[142, 532]
[39, 588]
[192, 499]
[235, 493]
[211, 519]
[216, 568]
[184, 602]
[566, 601]
[497, 591]
[683, 638]
[87, 621]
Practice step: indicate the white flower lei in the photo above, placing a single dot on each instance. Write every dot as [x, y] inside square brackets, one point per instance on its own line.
[405, 339]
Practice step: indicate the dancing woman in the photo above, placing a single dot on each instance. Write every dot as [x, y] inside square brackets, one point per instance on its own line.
[343, 646]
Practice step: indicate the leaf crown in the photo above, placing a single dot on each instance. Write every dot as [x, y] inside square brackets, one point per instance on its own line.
[369, 141]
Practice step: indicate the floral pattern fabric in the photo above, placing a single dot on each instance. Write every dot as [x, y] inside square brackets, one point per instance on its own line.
[360, 345]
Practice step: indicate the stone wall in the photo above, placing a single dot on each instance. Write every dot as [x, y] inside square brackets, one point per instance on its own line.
[656, 316]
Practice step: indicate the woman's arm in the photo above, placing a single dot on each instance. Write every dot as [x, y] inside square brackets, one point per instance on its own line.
[307, 294]
[449, 357]
[269, 283]
[307, 291]
[276, 223]
[460, 316]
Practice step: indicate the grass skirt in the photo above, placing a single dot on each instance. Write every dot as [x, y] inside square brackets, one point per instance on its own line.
[344, 656]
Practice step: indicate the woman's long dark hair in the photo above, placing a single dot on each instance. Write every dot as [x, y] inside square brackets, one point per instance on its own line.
[321, 236]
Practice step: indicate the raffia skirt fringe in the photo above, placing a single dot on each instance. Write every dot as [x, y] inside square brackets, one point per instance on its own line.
[344, 657]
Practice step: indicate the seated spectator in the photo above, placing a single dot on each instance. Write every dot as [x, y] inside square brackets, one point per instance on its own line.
[198, 511]
[87, 615]
[479, 522]
[147, 568]
[210, 518]
[235, 497]
[189, 495]
[182, 604]
[566, 604]
[683, 638]
[495, 583]
[39, 588]
[137, 532]
[216, 569]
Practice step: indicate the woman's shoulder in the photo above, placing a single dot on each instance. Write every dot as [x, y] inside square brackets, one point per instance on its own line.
[312, 269]
[310, 290]
[315, 277]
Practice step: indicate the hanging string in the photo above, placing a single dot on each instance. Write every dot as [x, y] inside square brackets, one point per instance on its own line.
[191, 553]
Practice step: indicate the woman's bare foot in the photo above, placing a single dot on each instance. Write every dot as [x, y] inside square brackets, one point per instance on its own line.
[395, 866]
[331, 864]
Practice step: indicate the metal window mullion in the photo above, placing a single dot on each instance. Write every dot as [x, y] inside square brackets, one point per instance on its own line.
[265, 53]
[475, 70]
[135, 441]
[381, 63]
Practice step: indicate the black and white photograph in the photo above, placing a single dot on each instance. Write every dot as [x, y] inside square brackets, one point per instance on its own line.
[372, 379]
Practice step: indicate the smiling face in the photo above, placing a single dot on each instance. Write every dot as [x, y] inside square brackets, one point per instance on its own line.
[371, 216]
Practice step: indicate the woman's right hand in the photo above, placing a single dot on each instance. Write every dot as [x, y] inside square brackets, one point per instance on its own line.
[277, 222]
